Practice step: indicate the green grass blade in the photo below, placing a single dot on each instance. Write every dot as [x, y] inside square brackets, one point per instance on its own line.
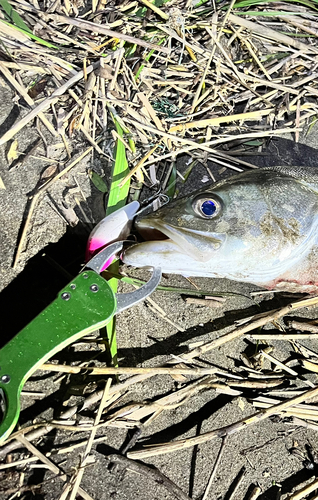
[312, 123]
[14, 16]
[142, 11]
[147, 58]
[118, 195]
[31, 35]
[98, 181]
[117, 199]
[270, 13]
[173, 289]
[249, 3]
[19, 24]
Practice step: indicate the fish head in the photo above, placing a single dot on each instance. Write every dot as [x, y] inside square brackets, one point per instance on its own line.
[245, 228]
[180, 223]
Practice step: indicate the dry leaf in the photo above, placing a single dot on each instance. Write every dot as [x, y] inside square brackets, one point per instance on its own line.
[2, 186]
[241, 404]
[75, 124]
[69, 215]
[49, 172]
[37, 88]
[13, 152]
[106, 72]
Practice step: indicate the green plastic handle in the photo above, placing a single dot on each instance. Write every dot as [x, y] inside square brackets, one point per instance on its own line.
[83, 306]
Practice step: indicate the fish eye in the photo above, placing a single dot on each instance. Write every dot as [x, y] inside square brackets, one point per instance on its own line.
[206, 207]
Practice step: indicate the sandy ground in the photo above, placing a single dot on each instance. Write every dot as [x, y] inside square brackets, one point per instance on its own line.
[144, 338]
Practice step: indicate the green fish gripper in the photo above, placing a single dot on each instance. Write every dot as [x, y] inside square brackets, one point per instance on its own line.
[86, 304]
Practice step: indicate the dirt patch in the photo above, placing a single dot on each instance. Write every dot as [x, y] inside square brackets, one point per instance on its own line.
[145, 338]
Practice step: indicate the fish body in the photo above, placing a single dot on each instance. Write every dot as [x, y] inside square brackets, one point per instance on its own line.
[259, 226]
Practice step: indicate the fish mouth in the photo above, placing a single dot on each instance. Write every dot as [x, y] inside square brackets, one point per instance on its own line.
[199, 245]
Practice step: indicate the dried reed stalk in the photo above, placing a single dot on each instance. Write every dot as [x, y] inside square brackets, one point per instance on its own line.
[162, 449]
